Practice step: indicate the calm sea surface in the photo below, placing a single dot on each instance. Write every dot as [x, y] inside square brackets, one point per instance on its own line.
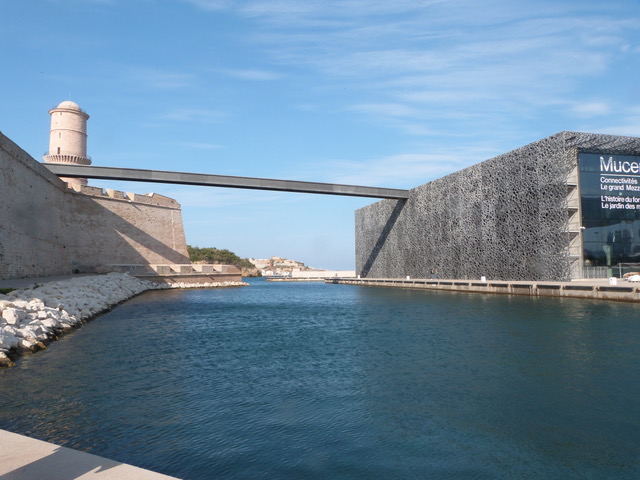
[306, 380]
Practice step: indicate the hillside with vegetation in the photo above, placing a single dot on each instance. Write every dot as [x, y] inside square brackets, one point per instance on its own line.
[211, 255]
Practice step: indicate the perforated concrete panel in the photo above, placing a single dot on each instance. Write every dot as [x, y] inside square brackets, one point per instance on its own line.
[505, 218]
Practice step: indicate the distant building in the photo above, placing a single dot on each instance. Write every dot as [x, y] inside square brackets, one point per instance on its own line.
[277, 266]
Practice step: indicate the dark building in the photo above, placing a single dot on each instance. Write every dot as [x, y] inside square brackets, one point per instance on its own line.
[567, 206]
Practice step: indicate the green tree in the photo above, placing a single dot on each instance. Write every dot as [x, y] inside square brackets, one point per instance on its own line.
[216, 255]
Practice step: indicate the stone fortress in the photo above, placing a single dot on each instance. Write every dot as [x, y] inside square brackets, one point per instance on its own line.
[57, 226]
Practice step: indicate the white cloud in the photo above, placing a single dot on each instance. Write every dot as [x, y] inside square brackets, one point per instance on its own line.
[149, 77]
[402, 169]
[192, 115]
[591, 109]
[201, 146]
[386, 109]
[409, 65]
[211, 4]
[630, 127]
[406, 170]
[252, 75]
[216, 197]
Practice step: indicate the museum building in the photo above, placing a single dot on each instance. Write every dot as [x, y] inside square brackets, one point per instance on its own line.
[561, 208]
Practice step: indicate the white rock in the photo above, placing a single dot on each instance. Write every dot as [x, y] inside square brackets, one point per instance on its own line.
[5, 361]
[52, 302]
[13, 315]
[50, 323]
[8, 340]
[10, 329]
[27, 333]
[36, 304]
[26, 344]
[6, 304]
[19, 303]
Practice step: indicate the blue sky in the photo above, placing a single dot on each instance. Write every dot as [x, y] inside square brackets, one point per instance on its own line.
[378, 92]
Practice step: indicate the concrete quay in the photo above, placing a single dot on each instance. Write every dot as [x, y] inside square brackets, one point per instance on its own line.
[25, 458]
[599, 289]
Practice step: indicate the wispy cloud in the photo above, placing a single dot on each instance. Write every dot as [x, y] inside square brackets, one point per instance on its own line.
[400, 171]
[426, 59]
[386, 109]
[192, 115]
[162, 80]
[591, 109]
[143, 77]
[629, 126]
[201, 146]
[105, 2]
[194, 197]
[211, 4]
[252, 75]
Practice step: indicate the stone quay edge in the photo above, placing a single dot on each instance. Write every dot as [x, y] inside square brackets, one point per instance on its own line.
[596, 289]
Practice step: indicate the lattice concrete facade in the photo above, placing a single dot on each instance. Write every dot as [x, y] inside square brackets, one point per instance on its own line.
[513, 217]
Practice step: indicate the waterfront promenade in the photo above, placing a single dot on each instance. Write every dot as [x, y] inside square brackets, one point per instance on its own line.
[598, 288]
[24, 458]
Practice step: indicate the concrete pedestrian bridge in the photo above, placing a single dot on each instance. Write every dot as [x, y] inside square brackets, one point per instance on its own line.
[183, 178]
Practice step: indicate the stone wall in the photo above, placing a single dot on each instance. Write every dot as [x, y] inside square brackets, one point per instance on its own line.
[508, 218]
[48, 229]
[33, 216]
[125, 231]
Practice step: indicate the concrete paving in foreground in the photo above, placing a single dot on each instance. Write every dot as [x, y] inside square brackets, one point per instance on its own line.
[24, 458]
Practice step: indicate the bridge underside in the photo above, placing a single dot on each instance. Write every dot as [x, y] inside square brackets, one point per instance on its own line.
[183, 178]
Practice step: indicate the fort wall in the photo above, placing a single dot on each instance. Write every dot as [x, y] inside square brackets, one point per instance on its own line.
[49, 229]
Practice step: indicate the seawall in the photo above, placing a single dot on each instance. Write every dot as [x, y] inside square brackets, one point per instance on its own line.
[592, 289]
[49, 229]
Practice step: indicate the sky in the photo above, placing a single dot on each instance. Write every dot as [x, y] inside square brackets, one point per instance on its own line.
[366, 92]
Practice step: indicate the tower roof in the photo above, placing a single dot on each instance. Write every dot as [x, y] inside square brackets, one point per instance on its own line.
[68, 104]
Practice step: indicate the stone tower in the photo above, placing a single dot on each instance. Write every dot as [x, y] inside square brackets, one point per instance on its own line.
[68, 138]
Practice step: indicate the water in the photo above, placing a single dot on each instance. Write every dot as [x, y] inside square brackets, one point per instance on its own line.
[306, 380]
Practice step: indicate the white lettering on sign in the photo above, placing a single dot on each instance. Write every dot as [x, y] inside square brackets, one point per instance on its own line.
[612, 166]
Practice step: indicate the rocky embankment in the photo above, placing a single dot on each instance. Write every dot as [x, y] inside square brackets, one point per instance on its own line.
[32, 317]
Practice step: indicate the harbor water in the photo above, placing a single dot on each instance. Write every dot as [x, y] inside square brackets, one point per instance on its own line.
[314, 381]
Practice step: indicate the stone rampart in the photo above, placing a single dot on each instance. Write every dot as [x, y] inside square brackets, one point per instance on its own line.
[512, 217]
[49, 229]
